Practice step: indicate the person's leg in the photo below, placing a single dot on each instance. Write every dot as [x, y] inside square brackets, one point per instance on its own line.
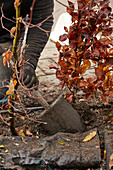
[37, 37]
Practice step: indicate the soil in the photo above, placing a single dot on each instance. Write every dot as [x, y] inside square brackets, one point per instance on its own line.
[93, 114]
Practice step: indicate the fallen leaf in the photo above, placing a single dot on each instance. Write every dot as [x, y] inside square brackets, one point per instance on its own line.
[28, 133]
[6, 150]
[111, 161]
[54, 53]
[97, 147]
[15, 83]
[21, 132]
[111, 157]
[2, 146]
[112, 119]
[110, 114]
[104, 154]
[7, 92]
[67, 145]
[110, 131]
[90, 136]
[60, 142]
[22, 117]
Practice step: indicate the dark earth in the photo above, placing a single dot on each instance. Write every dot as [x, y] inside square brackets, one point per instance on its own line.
[93, 113]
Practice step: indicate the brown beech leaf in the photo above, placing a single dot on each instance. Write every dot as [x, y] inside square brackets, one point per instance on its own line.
[63, 37]
[96, 52]
[107, 31]
[87, 63]
[83, 83]
[88, 96]
[99, 73]
[106, 68]
[111, 41]
[69, 10]
[90, 136]
[91, 79]
[66, 29]
[16, 3]
[110, 50]
[111, 94]
[13, 29]
[82, 70]
[71, 35]
[7, 57]
[109, 61]
[72, 67]
[71, 5]
[58, 45]
[112, 119]
[28, 133]
[93, 61]
[86, 1]
[105, 85]
[74, 16]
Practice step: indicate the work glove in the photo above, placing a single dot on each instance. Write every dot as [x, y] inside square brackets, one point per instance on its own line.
[28, 76]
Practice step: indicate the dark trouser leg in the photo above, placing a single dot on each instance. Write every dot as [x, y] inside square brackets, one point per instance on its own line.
[37, 38]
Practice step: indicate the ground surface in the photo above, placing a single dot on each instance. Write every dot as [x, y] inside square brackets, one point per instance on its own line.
[93, 113]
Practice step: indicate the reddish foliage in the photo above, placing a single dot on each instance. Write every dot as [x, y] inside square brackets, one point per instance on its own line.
[90, 42]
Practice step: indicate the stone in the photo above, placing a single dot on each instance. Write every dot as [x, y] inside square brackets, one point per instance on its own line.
[60, 151]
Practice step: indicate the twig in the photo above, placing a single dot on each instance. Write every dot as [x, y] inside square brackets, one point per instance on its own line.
[31, 11]
[1, 117]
